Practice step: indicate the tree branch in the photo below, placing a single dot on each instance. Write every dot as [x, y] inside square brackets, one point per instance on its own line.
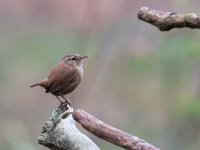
[166, 21]
[60, 132]
[110, 133]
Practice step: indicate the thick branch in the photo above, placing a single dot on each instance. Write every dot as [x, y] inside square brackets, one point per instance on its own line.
[60, 132]
[110, 133]
[166, 21]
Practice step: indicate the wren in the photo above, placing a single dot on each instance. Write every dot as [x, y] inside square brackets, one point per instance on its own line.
[64, 77]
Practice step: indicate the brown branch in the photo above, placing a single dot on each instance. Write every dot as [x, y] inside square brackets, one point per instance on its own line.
[166, 21]
[110, 133]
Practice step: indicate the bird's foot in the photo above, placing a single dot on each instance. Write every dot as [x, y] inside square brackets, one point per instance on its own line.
[67, 101]
[59, 99]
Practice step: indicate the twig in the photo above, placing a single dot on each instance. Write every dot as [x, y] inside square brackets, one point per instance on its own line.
[166, 21]
[110, 133]
[60, 132]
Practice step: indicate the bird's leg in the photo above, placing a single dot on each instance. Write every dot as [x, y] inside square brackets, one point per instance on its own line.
[59, 100]
[67, 101]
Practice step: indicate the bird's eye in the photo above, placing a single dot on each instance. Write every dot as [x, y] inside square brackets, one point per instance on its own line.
[73, 58]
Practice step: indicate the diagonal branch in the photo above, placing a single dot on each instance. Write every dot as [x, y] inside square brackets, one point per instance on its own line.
[110, 133]
[166, 21]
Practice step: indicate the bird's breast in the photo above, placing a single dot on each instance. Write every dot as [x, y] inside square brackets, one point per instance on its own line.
[80, 71]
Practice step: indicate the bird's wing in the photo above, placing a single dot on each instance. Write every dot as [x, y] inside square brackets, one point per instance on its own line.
[60, 76]
[60, 84]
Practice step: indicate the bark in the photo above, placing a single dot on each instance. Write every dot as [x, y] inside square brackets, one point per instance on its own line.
[61, 133]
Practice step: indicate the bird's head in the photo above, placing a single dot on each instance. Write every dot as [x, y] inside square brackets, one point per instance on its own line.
[74, 59]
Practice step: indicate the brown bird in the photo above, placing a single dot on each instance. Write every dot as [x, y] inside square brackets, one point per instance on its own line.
[65, 76]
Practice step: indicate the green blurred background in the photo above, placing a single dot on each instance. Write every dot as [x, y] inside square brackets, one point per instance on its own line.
[138, 79]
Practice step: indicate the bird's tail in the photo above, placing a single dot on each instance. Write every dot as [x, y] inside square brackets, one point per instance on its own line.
[33, 85]
[42, 83]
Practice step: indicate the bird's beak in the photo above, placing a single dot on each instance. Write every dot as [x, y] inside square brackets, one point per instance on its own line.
[83, 57]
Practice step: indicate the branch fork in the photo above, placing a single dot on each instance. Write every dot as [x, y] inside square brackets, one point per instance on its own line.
[60, 132]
